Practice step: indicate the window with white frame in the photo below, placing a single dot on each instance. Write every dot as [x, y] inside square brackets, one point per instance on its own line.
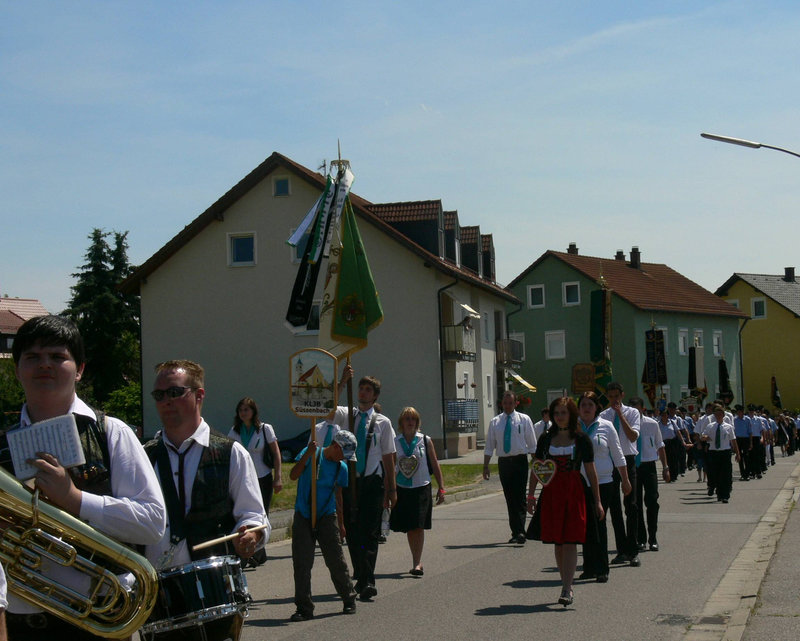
[281, 186]
[698, 338]
[570, 294]
[242, 249]
[716, 340]
[555, 345]
[684, 391]
[666, 392]
[683, 341]
[665, 335]
[553, 394]
[520, 338]
[758, 308]
[487, 327]
[535, 296]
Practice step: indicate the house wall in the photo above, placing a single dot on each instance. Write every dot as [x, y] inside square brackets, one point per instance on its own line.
[769, 348]
[231, 319]
[627, 340]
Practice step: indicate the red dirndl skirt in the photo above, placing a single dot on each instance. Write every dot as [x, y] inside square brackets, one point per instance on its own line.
[562, 506]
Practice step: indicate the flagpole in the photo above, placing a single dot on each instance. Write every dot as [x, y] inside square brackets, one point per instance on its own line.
[313, 481]
[351, 466]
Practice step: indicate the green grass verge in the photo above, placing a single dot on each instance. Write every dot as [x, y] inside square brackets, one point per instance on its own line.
[455, 476]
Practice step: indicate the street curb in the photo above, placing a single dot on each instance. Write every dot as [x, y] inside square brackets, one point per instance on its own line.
[281, 521]
[727, 611]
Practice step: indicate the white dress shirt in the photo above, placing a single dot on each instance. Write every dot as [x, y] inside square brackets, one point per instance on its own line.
[607, 450]
[631, 415]
[261, 439]
[382, 437]
[650, 439]
[726, 436]
[523, 440]
[539, 428]
[248, 507]
[134, 512]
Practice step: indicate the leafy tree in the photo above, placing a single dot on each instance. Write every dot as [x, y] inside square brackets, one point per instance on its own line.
[11, 395]
[108, 319]
[125, 403]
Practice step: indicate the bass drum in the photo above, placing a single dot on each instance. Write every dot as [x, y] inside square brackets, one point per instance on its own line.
[205, 600]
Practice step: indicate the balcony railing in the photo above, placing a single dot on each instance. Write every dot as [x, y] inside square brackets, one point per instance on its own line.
[459, 343]
[509, 352]
[462, 414]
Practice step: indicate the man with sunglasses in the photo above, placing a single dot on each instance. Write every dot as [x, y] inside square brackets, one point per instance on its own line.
[209, 481]
[115, 491]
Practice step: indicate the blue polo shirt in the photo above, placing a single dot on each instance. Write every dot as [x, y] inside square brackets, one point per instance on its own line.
[743, 427]
[330, 476]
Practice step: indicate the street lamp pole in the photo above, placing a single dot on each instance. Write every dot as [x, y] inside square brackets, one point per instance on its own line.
[747, 143]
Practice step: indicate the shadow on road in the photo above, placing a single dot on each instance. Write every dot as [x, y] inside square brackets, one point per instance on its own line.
[501, 610]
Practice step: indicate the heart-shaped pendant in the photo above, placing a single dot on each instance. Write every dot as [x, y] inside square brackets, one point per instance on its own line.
[544, 471]
[408, 466]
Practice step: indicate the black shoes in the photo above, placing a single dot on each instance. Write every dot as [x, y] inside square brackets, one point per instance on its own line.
[301, 616]
[620, 558]
[602, 578]
[368, 593]
[642, 547]
[654, 546]
[566, 598]
[586, 575]
[635, 562]
[349, 608]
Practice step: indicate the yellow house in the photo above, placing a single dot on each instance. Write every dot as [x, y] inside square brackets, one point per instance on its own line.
[770, 337]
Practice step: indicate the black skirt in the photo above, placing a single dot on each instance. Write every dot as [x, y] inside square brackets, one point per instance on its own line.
[413, 509]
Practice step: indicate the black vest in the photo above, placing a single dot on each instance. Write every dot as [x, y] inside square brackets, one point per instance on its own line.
[211, 512]
[94, 476]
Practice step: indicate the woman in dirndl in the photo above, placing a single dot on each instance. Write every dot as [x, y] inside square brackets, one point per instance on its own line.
[560, 515]
[416, 461]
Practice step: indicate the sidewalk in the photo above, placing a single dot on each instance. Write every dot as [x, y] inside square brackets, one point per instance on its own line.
[757, 597]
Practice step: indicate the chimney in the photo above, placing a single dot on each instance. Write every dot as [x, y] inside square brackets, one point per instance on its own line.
[788, 274]
[636, 258]
[572, 249]
[620, 255]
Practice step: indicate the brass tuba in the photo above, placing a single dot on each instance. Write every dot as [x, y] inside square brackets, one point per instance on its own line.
[34, 531]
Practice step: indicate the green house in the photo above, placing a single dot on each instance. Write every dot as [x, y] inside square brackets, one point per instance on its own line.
[555, 325]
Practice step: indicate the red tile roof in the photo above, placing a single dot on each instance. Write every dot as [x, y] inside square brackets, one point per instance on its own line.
[411, 211]
[486, 242]
[361, 206]
[469, 234]
[9, 322]
[653, 287]
[450, 219]
[25, 308]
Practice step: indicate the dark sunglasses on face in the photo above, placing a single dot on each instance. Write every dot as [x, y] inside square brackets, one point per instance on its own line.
[171, 392]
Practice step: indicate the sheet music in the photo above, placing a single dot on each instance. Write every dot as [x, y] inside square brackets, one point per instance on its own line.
[57, 436]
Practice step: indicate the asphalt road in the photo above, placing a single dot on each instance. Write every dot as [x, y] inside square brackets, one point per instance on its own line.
[476, 586]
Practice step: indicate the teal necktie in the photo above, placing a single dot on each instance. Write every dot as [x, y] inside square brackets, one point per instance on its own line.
[328, 436]
[507, 435]
[361, 449]
[616, 422]
[718, 437]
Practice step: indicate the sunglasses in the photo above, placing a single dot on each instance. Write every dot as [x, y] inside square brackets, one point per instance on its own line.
[171, 392]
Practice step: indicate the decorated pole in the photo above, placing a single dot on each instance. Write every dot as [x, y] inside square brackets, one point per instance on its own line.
[312, 395]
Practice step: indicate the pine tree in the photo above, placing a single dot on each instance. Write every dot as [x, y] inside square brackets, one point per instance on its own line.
[107, 319]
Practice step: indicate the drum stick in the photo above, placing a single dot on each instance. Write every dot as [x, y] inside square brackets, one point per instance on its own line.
[222, 539]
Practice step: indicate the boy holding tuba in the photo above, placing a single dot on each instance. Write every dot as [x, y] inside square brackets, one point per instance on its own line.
[115, 492]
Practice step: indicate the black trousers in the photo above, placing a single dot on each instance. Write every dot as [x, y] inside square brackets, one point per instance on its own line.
[595, 553]
[625, 530]
[647, 496]
[720, 473]
[746, 460]
[44, 627]
[514, 479]
[362, 521]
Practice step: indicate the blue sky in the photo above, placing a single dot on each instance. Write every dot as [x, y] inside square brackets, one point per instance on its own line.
[545, 123]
